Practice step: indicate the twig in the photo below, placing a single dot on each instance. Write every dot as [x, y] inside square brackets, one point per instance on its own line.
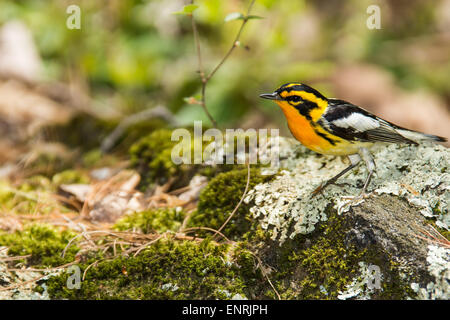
[145, 245]
[15, 258]
[35, 279]
[22, 283]
[208, 229]
[205, 78]
[261, 266]
[235, 42]
[84, 234]
[89, 266]
[240, 201]
[201, 71]
[44, 270]
[435, 238]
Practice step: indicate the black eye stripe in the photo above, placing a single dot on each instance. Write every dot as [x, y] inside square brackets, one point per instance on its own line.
[294, 98]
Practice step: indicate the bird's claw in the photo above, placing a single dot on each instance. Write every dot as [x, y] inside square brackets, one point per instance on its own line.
[352, 201]
[318, 190]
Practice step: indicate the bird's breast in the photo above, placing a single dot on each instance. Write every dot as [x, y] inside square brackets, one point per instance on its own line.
[315, 137]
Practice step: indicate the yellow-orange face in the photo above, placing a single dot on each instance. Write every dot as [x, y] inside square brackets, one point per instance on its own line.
[303, 99]
[302, 107]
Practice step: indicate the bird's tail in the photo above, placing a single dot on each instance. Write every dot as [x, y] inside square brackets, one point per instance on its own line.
[419, 136]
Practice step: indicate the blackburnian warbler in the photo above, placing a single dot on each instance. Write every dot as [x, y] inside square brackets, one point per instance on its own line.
[337, 127]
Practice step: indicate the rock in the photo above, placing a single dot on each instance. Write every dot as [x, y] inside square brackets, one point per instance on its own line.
[410, 191]
[19, 56]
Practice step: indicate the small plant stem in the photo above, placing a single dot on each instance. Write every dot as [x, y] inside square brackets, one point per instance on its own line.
[205, 78]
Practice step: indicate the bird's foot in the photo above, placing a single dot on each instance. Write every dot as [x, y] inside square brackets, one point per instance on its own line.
[350, 201]
[318, 189]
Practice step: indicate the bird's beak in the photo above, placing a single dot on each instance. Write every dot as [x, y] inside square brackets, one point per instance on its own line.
[270, 96]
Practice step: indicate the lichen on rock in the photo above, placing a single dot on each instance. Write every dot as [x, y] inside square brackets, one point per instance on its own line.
[417, 174]
[438, 259]
[408, 192]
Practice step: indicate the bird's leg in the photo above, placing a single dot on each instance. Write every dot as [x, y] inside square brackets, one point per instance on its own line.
[354, 160]
[370, 164]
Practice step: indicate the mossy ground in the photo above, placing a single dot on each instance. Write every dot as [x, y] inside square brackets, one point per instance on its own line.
[86, 132]
[154, 220]
[43, 242]
[166, 270]
[221, 196]
[315, 267]
[319, 265]
[152, 157]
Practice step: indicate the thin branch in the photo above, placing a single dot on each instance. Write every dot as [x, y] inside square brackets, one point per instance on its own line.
[261, 267]
[201, 71]
[208, 229]
[43, 270]
[23, 283]
[205, 79]
[35, 279]
[197, 44]
[89, 266]
[433, 237]
[15, 258]
[240, 201]
[235, 42]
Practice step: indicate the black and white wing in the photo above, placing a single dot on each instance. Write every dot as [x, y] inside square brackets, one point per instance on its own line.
[353, 123]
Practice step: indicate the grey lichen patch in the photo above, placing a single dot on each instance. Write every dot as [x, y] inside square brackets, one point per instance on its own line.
[364, 286]
[14, 279]
[438, 260]
[419, 175]
[285, 206]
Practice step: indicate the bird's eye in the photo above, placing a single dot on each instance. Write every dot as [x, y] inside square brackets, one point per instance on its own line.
[295, 98]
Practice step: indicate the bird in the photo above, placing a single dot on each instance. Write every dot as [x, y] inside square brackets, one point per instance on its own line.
[336, 127]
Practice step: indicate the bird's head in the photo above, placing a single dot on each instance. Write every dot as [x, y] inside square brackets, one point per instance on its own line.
[297, 95]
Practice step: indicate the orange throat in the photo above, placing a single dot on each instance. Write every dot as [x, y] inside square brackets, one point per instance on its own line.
[303, 131]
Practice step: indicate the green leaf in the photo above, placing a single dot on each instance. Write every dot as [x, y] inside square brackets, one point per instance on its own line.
[254, 17]
[187, 10]
[234, 16]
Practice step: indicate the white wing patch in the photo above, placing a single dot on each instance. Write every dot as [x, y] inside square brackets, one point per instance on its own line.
[414, 136]
[358, 122]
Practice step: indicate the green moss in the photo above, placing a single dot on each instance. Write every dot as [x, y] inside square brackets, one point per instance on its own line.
[319, 265]
[70, 177]
[152, 157]
[220, 197]
[156, 220]
[86, 132]
[329, 263]
[43, 242]
[6, 194]
[48, 162]
[96, 159]
[21, 199]
[37, 182]
[137, 131]
[83, 131]
[165, 270]
[442, 231]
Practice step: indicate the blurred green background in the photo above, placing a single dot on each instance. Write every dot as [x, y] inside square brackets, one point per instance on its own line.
[132, 54]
